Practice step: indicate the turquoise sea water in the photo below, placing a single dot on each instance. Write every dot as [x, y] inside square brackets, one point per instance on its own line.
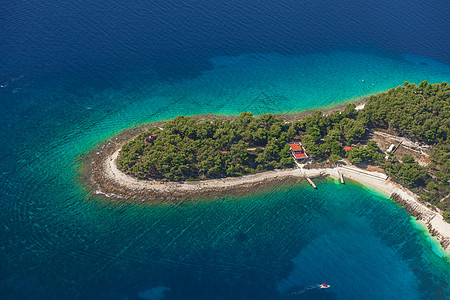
[74, 74]
[278, 244]
[273, 245]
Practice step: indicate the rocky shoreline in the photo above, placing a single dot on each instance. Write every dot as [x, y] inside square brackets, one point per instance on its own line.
[105, 180]
[431, 219]
[101, 177]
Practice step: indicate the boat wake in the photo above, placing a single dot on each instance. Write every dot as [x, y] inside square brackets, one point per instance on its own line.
[308, 288]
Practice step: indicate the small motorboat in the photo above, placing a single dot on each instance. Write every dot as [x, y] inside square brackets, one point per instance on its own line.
[324, 286]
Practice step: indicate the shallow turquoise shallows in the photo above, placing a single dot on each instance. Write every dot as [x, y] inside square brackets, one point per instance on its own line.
[74, 73]
[278, 244]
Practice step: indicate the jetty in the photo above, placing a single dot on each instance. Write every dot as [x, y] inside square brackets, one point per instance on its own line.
[300, 167]
[341, 177]
[311, 183]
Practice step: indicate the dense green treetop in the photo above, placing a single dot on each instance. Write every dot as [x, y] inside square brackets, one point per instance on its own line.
[189, 150]
[420, 112]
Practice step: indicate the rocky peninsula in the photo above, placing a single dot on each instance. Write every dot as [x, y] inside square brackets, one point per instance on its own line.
[399, 177]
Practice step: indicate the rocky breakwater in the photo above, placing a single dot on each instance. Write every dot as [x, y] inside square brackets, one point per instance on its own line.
[433, 220]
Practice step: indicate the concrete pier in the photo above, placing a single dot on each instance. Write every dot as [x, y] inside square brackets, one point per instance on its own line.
[311, 182]
[341, 177]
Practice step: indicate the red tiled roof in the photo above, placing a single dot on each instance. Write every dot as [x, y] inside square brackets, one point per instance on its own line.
[300, 155]
[348, 148]
[296, 147]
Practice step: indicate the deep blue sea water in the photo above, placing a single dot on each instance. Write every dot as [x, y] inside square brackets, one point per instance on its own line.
[73, 73]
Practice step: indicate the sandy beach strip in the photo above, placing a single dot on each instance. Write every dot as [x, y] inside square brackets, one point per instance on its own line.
[113, 173]
[116, 184]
